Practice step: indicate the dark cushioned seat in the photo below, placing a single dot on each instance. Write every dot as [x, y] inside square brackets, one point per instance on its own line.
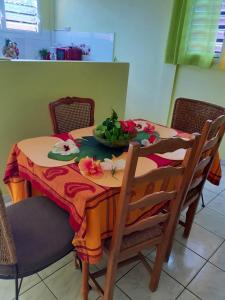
[42, 235]
[137, 237]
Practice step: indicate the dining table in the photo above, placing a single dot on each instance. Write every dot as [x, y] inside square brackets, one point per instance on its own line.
[91, 202]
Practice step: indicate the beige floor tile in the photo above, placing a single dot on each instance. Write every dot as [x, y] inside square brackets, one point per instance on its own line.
[218, 204]
[121, 271]
[218, 258]
[183, 263]
[117, 295]
[38, 292]
[222, 194]
[7, 287]
[186, 295]
[209, 283]
[59, 264]
[200, 241]
[66, 283]
[135, 285]
[208, 196]
[212, 221]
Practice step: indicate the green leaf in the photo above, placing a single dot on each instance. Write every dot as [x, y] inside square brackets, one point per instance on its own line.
[108, 135]
[142, 135]
[60, 157]
[117, 124]
[114, 115]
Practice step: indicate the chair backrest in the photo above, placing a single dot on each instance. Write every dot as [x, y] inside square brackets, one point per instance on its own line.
[211, 137]
[7, 247]
[179, 176]
[190, 115]
[71, 113]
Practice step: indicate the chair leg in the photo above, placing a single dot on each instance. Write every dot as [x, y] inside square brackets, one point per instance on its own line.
[110, 277]
[203, 202]
[168, 252]
[85, 275]
[157, 268]
[77, 261]
[189, 219]
[16, 289]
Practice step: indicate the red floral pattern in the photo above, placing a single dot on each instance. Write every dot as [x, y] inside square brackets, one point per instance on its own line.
[72, 188]
[52, 173]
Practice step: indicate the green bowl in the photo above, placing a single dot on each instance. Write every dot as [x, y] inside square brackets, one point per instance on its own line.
[115, 144]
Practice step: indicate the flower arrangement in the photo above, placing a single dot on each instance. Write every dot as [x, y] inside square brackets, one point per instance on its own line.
[86, 50]
[10, 49]
[146, 132]
[91, 167]
[64, 150]
[113, 132]
[65, 147]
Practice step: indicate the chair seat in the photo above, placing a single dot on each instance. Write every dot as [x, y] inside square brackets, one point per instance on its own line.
[136, 237]
[42, 235]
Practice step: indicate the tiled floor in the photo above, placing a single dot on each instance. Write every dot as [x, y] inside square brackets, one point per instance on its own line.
[196, 269]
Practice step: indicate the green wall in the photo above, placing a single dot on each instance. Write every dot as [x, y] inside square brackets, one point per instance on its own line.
[47, 14]
[27, 88]
[141, 28]
[202, 84]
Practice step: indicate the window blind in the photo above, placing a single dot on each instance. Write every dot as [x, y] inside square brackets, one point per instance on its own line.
[221, 31]
[21, 15]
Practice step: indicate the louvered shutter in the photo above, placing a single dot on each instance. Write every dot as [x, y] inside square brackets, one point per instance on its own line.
[221, 31]
[21, 14]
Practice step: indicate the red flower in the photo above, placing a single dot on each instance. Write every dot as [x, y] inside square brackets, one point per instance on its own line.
[128, 126]
[152, 139]
[90, 167]
[149, 128]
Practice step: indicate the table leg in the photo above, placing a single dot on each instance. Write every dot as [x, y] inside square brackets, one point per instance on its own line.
[85, 272]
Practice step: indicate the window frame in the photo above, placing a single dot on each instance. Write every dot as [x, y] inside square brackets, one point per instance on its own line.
[4, 27]
[217, 54]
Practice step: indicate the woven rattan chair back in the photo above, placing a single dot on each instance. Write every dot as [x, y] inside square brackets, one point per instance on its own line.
[7, 247]
[190, 115]
[71, 113]
[179, 176]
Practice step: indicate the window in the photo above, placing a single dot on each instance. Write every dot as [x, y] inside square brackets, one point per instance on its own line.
[19, 15]
[221, 31]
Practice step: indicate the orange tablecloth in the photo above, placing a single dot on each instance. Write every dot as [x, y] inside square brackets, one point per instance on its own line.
[92, 208]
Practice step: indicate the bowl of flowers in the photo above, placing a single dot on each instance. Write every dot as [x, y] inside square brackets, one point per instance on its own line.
[114, 133]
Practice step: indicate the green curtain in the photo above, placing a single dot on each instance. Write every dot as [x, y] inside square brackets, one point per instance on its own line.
[193, 32]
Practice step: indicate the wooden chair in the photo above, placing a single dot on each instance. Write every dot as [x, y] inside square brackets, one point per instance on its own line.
[153, 231]
[210, 140]
[71, 113]
[212, 134]
[34, 234]
[190, 115]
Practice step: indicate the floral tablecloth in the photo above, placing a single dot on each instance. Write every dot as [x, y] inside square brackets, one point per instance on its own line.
[91, 207]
